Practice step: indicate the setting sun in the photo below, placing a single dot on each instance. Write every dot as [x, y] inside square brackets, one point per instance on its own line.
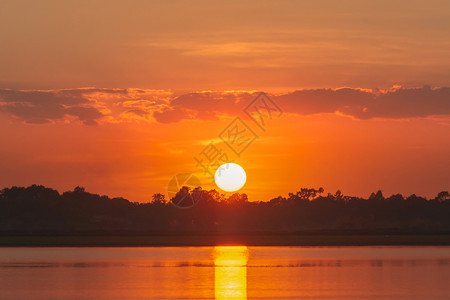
[230, 177]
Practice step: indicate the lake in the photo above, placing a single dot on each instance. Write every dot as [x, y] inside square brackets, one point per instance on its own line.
[229, 272]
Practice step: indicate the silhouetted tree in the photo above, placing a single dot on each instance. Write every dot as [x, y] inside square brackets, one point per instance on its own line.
[158, 198]
[442, 196]
[37, 209]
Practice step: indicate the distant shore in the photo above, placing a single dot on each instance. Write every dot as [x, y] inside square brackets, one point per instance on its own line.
[225, 239]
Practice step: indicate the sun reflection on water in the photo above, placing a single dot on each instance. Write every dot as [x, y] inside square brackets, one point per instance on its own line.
[230, 272]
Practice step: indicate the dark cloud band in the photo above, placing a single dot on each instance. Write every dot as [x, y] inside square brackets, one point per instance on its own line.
[92, 105]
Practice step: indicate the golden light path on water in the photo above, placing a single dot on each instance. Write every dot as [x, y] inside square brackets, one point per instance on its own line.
[230, 272]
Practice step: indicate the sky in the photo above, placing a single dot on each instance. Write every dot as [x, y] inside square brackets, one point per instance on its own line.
[120, 96]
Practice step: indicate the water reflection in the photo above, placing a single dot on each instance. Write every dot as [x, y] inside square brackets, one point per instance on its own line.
[413, 273]
[230, 272]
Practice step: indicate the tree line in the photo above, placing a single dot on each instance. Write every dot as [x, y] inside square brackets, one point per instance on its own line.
[38, 210]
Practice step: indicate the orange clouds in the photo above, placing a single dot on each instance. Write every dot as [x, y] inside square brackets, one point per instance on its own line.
[93, 105]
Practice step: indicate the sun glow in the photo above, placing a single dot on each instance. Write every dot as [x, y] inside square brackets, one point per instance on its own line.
[230, 177]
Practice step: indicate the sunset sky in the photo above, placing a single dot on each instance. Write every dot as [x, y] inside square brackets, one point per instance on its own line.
[120, 96]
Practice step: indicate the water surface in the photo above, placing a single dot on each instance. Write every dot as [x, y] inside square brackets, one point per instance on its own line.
[225, 273]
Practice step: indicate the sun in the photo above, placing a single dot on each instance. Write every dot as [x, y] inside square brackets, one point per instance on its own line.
[230, 177]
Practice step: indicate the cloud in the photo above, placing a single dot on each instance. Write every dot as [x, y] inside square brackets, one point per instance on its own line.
[397, 103]
[41, 107]
[203, 106]
[408, 103]
[88, 105]
[93, 106]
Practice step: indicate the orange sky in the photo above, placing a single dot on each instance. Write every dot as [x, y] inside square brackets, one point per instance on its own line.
[149, 115]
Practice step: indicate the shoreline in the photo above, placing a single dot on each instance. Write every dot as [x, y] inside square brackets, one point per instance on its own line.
[193, 240]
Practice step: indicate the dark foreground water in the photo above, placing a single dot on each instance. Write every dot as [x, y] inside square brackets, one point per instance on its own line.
[226, 273]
